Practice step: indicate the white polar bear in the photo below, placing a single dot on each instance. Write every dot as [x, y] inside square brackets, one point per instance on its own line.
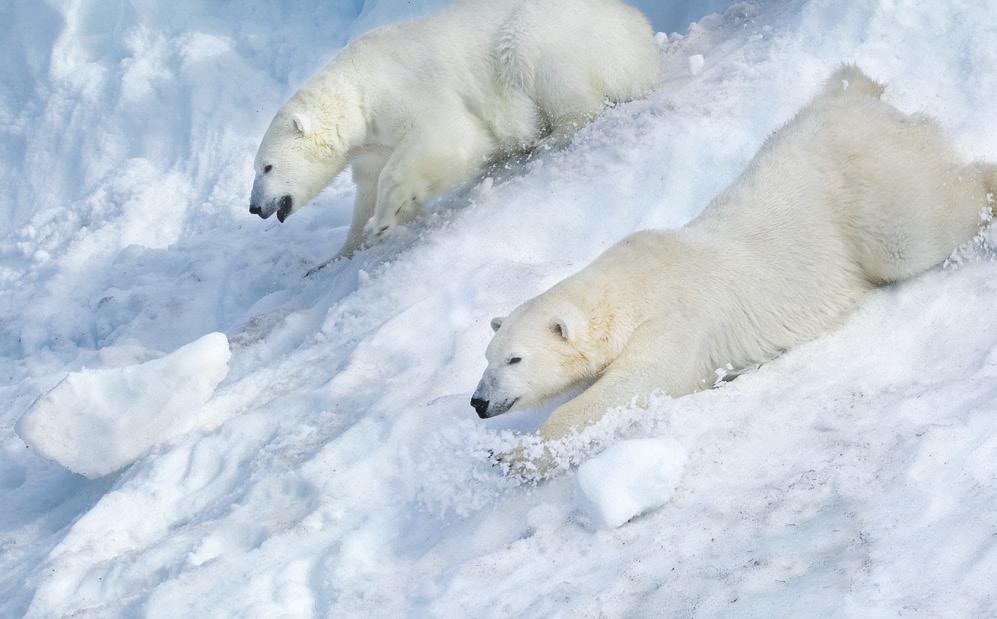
[418, 107]
[849, 195]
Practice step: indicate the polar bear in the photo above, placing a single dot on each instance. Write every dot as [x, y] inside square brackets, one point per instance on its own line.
[849, 195]
[418, 107]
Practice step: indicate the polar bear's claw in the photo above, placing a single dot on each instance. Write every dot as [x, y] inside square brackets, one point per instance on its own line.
[519, 463]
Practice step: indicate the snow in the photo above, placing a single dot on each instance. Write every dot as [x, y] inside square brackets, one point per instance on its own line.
[628, 479]
[337, 469]
[95, 422]
[696, 62]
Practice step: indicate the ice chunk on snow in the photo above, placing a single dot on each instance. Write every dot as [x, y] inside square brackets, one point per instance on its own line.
[95, 422]
[628, 479]
[696, 62]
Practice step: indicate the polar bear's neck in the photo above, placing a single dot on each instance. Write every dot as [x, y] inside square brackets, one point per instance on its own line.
[609, 322]
[645, 277]
[333, 101]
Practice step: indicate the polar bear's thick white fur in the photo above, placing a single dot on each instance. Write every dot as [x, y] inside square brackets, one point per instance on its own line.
[849, 195]
[418, 107]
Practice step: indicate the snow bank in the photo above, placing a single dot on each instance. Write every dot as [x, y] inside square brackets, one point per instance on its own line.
[96, 422]
[628, 479]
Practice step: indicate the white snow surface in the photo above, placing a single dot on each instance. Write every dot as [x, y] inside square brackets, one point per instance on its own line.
[696, 63]
[95, 422]
[628, 479]
[343, 472]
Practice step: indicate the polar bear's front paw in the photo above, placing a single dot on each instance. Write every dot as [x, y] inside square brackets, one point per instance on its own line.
[377, 228]
[398, 205]
[526, 463]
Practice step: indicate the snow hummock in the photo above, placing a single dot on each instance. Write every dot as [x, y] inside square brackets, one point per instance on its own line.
[628, 479]
[97, 421]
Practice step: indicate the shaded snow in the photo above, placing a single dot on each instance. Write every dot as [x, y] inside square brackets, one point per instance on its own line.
[348, 475]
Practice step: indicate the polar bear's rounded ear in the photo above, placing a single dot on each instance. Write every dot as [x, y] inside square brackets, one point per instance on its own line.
[562, 328]
[568, 323]
[497, 322]
[302, 123]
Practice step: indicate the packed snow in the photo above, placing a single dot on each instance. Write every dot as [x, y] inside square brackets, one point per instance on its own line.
[628, 479]
[336, 468]
[95, 422]
[696, 64]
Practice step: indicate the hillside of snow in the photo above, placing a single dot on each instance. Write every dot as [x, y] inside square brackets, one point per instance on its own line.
[328, 463]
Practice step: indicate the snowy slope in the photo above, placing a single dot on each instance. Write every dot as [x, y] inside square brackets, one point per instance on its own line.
[338, 469]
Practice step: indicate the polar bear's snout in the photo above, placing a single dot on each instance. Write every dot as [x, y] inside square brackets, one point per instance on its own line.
[283, 207]
[484, 400]
[264, 211]
[480, 406]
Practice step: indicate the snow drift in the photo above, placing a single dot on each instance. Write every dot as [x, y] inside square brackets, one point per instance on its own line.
[343, 472]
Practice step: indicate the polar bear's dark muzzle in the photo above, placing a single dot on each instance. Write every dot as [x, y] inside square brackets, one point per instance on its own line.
[284, 208]
[263, 211]
[480, 407]
[486, 409]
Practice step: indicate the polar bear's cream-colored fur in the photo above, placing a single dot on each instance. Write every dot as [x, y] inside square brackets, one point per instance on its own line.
[418, 107]
[849, 195]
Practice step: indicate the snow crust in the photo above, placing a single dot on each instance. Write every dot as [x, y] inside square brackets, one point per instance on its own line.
[628, 479]
[339, 470]
[95, 422]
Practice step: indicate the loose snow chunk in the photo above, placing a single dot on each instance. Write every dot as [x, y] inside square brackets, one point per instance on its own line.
[96, 422]
[696, 62]
[628, 479]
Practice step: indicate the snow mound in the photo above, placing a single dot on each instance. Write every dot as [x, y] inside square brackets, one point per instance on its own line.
[96, 422]
[630, 478]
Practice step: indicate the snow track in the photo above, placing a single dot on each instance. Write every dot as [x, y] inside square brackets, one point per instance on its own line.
[343, 472]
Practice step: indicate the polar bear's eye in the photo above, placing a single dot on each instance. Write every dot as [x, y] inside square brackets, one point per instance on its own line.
[514, 360]
[267, 168]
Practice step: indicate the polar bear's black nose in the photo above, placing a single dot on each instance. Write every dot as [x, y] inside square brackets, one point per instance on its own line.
[254, 209]
[480, 406]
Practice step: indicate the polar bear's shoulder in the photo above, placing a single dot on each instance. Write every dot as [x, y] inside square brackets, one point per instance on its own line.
[851, 80]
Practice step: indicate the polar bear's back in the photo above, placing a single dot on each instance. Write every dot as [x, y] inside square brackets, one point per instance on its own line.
[510, 71]
[850, 194]
[553, 48]
[514, 62]
[852, 168]
[908, 198]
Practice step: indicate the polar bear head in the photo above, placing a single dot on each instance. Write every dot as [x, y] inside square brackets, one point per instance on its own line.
[305, 147]
[537, 352]
[291, 167]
